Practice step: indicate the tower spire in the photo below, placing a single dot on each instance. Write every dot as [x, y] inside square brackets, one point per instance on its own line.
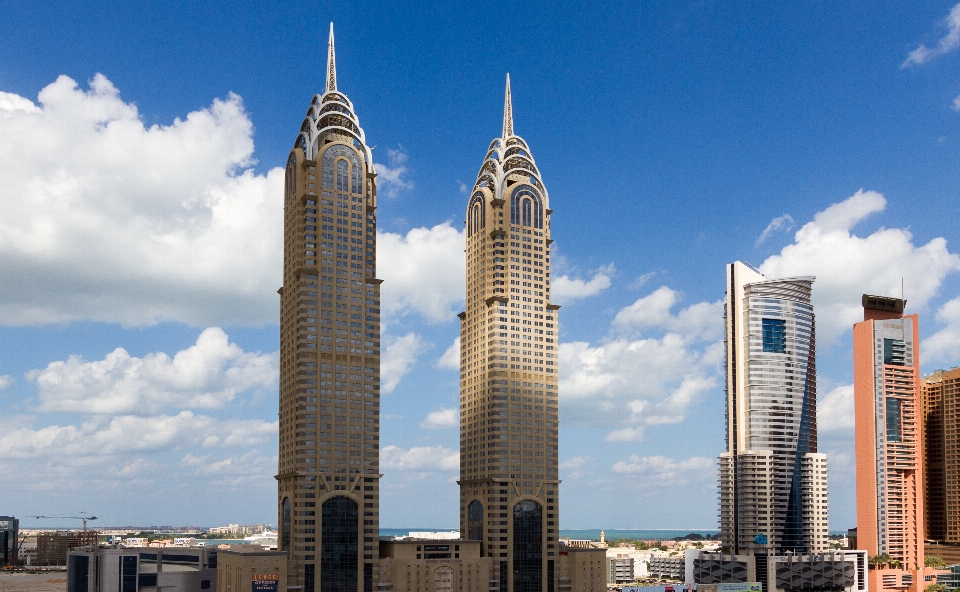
[331, 64]
[507, 111]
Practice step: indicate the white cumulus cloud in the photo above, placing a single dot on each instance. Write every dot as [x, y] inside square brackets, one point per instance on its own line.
[398, 358]
[109, 219]
[423, 272]
[451, 358]
[5, 381]
[944, 345]
[127, 434]
[700, 321]
[420, 459]
[847, 265]
[567, 289]
[441, 419]
[392, 178]
[779, 224]
[576, 467]
[835, 410]
[661, 470]
[632, 384]
[206, 375]
[949, 42]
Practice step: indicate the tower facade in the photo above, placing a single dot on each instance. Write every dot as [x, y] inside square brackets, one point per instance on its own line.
[509, 496]
[772, 482]
[328, 477]
[886, 393]
[940, 396]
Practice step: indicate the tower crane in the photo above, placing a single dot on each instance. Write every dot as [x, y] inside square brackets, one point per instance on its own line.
[83, 516]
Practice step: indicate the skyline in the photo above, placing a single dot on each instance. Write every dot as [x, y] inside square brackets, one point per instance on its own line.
[124, 265]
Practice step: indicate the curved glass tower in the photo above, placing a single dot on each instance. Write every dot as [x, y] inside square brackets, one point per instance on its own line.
[773, 484]
[509, 494]
[328, 476]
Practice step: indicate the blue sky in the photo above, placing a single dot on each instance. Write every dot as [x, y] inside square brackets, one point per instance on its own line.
[140, 209]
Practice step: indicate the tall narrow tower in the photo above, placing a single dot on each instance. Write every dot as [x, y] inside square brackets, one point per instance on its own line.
[773, 484]
[889, 433]
[509, 494]
[330, 352]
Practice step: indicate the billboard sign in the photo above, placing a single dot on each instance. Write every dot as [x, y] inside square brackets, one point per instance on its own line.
[265, 582]
[740, 587]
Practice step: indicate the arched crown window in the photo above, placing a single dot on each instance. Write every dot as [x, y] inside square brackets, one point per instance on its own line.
[476, 214]
[345, 180]
[526, 207]
[343, 183]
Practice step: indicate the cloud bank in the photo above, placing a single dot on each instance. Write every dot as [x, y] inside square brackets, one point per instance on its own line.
[108, 219]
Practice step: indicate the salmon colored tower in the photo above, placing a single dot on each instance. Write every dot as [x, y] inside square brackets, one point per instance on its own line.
[886, 383]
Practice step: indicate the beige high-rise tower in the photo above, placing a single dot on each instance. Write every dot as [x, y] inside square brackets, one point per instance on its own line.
[328, 478]
[509, 494]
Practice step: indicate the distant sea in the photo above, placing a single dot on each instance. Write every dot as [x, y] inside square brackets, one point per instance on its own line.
[592, 534]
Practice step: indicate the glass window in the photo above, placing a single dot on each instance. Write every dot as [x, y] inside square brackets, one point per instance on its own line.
[774, 336]
[286, 526]
[894, 351]
[475, 521]
[527, 547]
[78, 567]
[309, 572]
[128, 573]
[894, 433]
[338, 552]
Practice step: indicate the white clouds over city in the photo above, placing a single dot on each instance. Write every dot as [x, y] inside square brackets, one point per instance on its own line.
[400, 354]
[124, 416]
[423, 272]
[206, 375]
[440, 419]
[419, 459]
[654, 367]
[835, 410]
[662, 471]
[166, 222]
[394, 178]
[567, 290]
[847, 265]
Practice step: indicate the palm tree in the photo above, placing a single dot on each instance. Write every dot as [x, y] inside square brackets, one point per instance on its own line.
[934, 562]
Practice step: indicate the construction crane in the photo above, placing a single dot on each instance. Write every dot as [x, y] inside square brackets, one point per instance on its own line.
[83, 516]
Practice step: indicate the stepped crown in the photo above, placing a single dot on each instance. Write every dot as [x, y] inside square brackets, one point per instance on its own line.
[331, 114]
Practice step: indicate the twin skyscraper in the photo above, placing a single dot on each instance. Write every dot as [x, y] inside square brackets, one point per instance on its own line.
[329, 474]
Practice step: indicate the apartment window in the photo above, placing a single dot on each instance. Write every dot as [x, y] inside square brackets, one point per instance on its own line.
[893, 420]
[774, 336]
[894, 352]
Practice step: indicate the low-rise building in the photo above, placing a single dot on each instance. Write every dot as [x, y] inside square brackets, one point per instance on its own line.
[626, 564]
[28, 550]
[52, 547]
[668, 566]
[415, 565]
[580, 570]
[9, 539]
[141, 569]
[840, 570]
[701, 567]
[249, 568]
